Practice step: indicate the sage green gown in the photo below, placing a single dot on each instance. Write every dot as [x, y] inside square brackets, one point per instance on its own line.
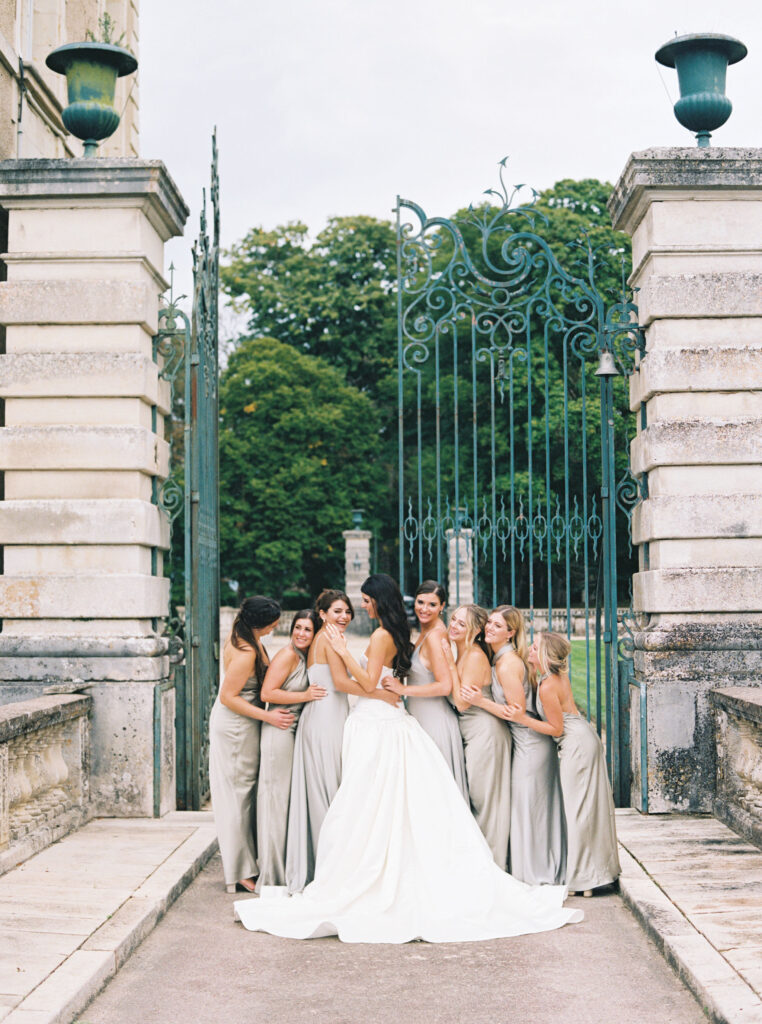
[438, 718]
[233, 768]
[487, 747]
[537, 850]
[315, 775]
[592, 858]
[276, 755]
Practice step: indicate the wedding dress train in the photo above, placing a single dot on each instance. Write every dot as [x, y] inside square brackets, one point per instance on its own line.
[400, 855]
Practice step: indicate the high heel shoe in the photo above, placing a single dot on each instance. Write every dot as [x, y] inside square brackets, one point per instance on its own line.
[245, 885]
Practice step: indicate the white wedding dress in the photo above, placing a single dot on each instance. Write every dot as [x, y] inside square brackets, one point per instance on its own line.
[400, 855]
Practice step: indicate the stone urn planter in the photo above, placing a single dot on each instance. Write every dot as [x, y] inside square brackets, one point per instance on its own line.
[702, 62]
[91, 71]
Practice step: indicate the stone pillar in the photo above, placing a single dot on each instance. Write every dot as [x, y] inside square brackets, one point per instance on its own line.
[83, 452]
[695, 216]
[460, 568]
[357, 569]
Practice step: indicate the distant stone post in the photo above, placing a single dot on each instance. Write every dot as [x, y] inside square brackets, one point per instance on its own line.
[83, 453]
[695, 216]
[460, 567]
[357, 569]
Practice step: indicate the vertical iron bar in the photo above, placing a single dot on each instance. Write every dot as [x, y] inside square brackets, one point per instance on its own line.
[438, 458]
[400, 412]
[456, 451]
[547, 476]
[474, 445]
[567, 510]
[530, 471]
[513, 480]
[493, 482]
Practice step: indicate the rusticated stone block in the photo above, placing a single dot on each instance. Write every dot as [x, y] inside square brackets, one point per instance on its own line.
[95, 521]
[738, 719]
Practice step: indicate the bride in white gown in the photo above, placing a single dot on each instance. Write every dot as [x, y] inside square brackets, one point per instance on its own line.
[400, 855]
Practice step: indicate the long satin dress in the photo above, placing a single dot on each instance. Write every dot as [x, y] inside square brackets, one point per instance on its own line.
[274, 786]
[592, 859]
[438, 718]
[400, 855]
[537, 853]
[233, 768]
[487, 746]
[315, 776]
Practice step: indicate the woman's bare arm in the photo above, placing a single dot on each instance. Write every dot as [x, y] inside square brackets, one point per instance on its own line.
[379, 649]
[278, 671]
[554, 726]
[442, 685]
[239, 669]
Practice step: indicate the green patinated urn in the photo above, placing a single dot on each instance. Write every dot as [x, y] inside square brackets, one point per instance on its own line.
[702, 62]
[91, 71]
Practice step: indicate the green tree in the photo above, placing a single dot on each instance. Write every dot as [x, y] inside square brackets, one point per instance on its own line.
[298, 449]
[330, 298]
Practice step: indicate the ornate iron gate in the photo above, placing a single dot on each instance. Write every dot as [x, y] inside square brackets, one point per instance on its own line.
[193, 485]
[507, 438]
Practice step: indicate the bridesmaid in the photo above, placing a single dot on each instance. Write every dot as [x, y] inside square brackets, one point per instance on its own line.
[234, 728]
[537, 852]
[429, 684]
[285, 683]
[486, 738]
[592, 858]
[316, 771]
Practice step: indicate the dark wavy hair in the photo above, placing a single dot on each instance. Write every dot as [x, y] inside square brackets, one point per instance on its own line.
[326, 598]
[255, 613]
[432, 587]
[305, 613]
[390, 609]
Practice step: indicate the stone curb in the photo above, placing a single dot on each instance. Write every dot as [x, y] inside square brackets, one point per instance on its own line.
[75, 983]
[723, 994]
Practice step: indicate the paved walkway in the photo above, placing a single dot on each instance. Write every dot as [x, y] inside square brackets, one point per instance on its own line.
[71, 916]
[200, 967]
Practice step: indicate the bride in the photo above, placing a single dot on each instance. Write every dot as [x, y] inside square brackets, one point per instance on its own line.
[398, 832]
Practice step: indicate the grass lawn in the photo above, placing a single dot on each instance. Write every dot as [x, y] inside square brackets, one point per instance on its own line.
[579, 670]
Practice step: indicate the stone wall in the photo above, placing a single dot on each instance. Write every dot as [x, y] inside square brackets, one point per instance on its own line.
[83, 454]
[44, 773]
[695, 217]
[738, 724]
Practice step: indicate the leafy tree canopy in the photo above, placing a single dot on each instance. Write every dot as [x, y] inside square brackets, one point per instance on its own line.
[298, 450]
[332, 298]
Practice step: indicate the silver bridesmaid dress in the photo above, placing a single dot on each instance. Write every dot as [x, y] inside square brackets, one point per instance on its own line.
[233, 768]
[315, 776]
[592, 859]
[438, 718]
[537, 851]
[274, 786]
[487, 746]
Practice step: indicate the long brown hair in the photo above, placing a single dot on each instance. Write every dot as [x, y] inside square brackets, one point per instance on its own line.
[255, 613]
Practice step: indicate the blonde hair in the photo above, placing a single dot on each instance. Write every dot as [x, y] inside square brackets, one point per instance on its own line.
[476, 620]
[515, 620]
[553, 653]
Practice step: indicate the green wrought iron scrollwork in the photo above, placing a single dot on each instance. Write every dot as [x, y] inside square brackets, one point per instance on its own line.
[507, 437]
[170, 345]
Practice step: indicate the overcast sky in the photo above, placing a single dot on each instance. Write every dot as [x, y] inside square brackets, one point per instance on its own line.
[334, 107]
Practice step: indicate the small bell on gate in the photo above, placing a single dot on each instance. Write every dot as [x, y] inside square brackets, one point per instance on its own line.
[606, 364]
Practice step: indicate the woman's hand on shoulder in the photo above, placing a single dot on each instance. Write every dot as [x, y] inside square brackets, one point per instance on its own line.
[281, 718]
[335, 638]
